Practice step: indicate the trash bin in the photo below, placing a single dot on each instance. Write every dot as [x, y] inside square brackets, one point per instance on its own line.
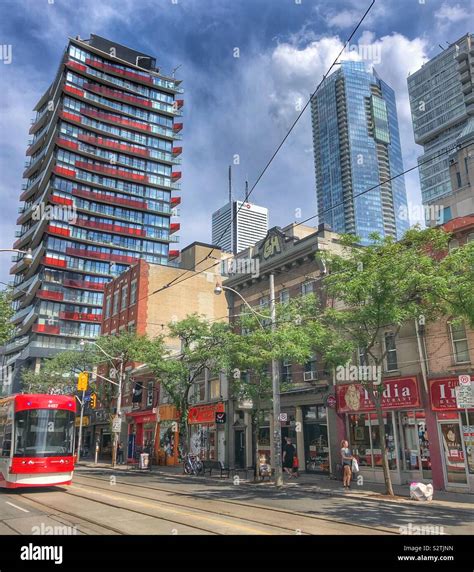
[144, 461]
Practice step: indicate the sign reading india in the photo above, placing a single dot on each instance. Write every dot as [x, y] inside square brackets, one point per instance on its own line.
[397, 393]
[443, 393]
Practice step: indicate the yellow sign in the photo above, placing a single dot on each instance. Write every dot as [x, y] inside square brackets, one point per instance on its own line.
[271, 246]
[85, 421]
[82, 381]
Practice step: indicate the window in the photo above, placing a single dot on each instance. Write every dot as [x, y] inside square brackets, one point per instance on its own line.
[310, 369]
[284, 296]
[460, 346]
[454, 243]
[307, 288]
[107, 307]
[200, 391]
[214, 388]
[458, 179]
[149, 394]
[123, 302]
[391, 351]
[115, 304]
[133, 292]
[286, 371]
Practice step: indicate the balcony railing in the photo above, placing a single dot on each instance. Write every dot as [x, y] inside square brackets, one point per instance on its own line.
[50, 295]
[107, 92]
[100, 141]
[83, 284]
[46, 329]
[80, 316]
[84, 253]
[110, 227]
[113, 172]
[110, 199]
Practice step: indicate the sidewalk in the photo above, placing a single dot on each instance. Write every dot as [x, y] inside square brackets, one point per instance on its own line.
[315, 484]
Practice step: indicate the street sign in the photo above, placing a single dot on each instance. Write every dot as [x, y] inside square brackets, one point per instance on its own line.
[331, 401]
[283, 416]
[220, 418]
[464, 396]
[464, 380]
[116, 424]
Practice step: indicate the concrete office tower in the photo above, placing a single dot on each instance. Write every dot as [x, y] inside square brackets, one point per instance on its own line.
[442, 103]
[98, 192]
[357, 147]
[233, 230]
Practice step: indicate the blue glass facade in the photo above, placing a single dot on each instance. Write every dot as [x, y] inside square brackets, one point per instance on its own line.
[356, 147]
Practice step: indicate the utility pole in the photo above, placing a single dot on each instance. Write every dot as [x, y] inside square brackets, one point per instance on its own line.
[80, 427]
[276, 396]
[118, 414]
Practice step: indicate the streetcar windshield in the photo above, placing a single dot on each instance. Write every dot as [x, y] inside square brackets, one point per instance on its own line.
[43, 433]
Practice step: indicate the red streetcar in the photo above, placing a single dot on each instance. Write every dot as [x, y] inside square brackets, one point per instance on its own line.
[36, 440]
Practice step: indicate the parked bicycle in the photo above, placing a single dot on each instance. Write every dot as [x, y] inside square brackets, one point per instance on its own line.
[192, 465]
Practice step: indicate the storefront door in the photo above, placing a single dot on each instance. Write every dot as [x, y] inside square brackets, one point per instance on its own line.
[239, 448]
[316, 443]
[453, 452]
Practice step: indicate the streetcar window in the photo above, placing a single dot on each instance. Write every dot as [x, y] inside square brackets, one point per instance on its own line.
[7, 440]
[44, 433]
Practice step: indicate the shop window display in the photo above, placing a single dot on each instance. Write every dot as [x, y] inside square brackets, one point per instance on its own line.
[467, 422]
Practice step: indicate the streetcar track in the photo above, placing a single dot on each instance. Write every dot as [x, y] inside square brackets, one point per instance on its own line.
[200, 496]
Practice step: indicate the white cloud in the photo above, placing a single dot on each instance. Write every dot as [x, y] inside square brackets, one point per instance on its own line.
[451, 14]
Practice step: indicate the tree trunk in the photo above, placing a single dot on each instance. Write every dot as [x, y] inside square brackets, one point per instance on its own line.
[256, 425]
[386, 470]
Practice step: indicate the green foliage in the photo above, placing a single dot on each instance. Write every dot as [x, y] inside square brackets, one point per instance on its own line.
[6, 312]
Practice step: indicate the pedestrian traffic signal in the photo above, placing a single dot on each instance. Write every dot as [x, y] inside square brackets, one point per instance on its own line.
[82, 381]
[93, 401]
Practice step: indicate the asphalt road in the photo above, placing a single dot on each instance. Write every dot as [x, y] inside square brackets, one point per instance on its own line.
[103, 502]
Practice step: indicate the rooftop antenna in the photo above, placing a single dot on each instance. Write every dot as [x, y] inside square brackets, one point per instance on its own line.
[246, 192]
[231, 207]
[441, 47]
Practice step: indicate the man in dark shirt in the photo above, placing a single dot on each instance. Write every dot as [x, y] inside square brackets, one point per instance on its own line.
[289, 452]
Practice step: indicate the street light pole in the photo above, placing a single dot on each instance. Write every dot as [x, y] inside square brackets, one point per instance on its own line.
[118, 413]
[277, 461]
[80, 428]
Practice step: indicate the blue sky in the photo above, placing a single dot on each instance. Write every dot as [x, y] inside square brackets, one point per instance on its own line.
[233, 106]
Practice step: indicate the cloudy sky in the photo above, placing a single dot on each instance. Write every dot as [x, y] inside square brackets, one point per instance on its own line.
[237, 109]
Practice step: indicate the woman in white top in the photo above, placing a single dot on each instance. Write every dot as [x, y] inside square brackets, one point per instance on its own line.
[346, 457]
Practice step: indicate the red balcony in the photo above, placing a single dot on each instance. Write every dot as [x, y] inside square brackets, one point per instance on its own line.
[112, 145]
[177, 151]
[175, 201]
[70, 116]
[61, 200]
[50, 295]
[63, 171]
[179, 103]
[174, 227]
[177, 127]
[113, 69]
[76, 66]
[81, 317]
[66, 143]
[73, 90]
[117, 120]
[46, 329]
[110, 227]
[107, 92]
[84, 253]
[176, 176]
[173, 254]
[50, 261]
[111, 171]
[58, 230]
[109, 199]
[83, 284]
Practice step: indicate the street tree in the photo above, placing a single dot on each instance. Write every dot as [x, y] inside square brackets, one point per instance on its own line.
[6, 312]
[200, 347]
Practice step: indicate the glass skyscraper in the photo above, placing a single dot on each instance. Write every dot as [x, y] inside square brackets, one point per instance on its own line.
[356, 148]
[442, 101]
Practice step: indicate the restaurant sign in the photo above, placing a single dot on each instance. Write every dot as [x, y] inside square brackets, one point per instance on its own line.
[398, 393]
[443, 393]
[204, 413]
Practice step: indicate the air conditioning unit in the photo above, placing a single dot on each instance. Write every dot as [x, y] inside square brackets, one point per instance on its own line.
[310, 376]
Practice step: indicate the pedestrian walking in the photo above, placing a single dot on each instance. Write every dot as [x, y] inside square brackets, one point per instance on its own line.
[346, 457]
[120, 453]
[289, 453]
[296, 466]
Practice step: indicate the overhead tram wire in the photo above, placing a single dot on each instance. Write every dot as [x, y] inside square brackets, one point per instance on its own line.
[177, 281]
[334, 63]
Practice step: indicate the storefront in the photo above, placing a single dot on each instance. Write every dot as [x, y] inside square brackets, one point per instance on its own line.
[168, 446]
[406, 436]
[142, 428]
[455, 434]
[206, 438]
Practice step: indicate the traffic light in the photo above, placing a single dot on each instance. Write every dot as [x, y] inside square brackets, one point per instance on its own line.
[93, 401]
[82, 381]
